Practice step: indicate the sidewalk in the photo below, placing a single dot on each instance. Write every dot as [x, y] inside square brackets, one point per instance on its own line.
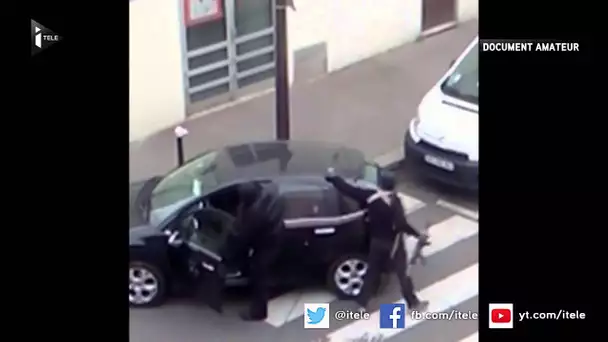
[367, 106]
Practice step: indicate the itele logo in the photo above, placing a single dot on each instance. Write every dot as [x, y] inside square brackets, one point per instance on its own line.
[42, 37]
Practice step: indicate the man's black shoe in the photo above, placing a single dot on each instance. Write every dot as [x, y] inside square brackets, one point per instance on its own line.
[247, 316]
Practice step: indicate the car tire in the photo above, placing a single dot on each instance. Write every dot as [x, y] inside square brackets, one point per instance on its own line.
[147, 285]
[338, 278]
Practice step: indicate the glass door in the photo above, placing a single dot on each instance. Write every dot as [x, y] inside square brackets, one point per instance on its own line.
[206, 48]
[254, 21]
[229, 45]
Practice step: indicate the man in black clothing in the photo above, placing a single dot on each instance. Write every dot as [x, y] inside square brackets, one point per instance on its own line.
[387, 221]
[399, 257]
[259, 227]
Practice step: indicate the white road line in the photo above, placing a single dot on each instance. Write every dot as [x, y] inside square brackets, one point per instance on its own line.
[442, 295]
[472, 214]
[410, 204]
[471, 338]
[444, 234]
[290, 306]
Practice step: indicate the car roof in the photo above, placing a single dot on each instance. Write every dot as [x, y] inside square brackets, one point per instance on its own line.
[281, 161]
[278, 159]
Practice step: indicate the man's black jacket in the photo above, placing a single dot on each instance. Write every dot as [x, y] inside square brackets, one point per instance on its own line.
[257, 224]
[263, 217]
[385, 219]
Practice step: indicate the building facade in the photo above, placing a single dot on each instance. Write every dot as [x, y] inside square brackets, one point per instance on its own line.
[187, 56]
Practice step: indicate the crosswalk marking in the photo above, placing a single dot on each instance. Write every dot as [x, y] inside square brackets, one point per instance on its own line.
[410, 204]
[442, 295]
[288, 307]
[459, 209]
[471, 338]
[291, 305]
[445, 234]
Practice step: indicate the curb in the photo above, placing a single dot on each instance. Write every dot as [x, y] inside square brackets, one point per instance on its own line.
[391, 159]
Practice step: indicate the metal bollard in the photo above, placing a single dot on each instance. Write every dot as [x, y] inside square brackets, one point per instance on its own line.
[180, 133]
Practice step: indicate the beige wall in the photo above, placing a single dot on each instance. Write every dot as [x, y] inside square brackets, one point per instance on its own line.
[300, 32]
[353, 30]
[361, 29]
[308, 24]
[467, 9]
[156, 88]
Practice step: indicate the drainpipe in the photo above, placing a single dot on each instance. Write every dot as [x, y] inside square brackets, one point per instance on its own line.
[282, 70]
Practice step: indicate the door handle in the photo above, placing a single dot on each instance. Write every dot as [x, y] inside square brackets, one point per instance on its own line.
[208, 267]
[325, 231]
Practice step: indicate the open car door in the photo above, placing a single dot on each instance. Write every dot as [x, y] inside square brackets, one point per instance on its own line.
[209, 273]
[211, 228]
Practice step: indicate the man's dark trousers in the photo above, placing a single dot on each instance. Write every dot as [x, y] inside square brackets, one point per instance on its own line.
[265, 253]
[378, 257]
[399, 266]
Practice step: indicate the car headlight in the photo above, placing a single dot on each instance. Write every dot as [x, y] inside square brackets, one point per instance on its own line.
[414, 129]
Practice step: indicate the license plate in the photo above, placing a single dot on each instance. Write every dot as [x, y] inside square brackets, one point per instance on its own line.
[440, 163]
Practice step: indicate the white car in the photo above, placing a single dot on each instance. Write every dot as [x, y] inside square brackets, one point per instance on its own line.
[443, 139]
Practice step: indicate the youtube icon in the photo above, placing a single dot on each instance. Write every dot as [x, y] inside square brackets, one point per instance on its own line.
[501, 316]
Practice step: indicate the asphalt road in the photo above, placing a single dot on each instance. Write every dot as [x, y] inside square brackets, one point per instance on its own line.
[449, 281]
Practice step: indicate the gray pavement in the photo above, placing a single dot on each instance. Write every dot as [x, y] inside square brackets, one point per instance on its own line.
[366, 105]
[379, 95]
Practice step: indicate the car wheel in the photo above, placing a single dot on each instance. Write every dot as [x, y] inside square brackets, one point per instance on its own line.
[345, 276]
[147, 285]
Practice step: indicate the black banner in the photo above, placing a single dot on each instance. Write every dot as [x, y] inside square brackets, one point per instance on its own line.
[539, 130]
[72, 174]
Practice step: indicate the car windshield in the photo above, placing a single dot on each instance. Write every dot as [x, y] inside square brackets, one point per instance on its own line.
[181, 185]
[463, 83]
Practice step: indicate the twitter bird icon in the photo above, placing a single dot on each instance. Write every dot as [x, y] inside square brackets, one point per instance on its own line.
[316, 316]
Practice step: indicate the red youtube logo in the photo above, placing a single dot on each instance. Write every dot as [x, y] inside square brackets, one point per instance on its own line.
[501, 315]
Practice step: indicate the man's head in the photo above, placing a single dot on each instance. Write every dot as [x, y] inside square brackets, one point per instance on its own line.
[387, 180]
[248, 192]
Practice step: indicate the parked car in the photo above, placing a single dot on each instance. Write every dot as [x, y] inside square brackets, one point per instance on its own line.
[443, 140]
[185, 218]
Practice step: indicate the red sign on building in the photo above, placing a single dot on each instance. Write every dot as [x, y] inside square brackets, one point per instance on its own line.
[200, 11]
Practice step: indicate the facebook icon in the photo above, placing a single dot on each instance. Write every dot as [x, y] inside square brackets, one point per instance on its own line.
[392, 316]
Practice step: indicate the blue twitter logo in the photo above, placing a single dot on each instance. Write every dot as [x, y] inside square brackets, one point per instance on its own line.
[316, 316]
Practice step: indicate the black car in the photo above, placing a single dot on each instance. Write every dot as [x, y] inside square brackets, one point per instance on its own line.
[186, 217]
